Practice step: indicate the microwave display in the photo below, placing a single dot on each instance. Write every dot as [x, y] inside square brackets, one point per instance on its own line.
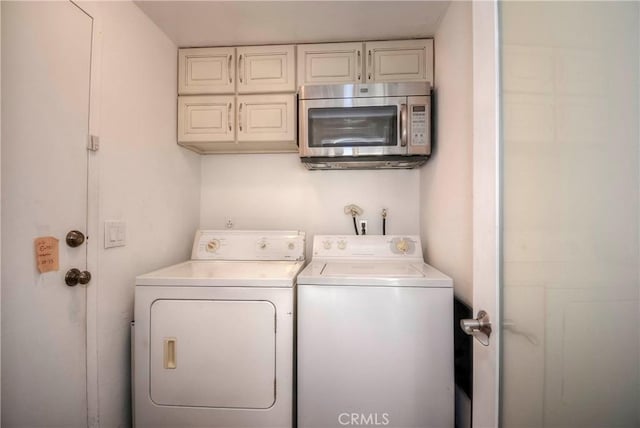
[367, 126]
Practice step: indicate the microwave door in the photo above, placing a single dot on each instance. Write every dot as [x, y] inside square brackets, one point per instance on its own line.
[353, 127]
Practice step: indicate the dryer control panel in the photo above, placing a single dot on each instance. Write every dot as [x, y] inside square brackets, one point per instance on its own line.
[248, 245]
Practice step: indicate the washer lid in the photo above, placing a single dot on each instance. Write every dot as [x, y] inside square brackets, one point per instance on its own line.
[373, 273]
[197, 273]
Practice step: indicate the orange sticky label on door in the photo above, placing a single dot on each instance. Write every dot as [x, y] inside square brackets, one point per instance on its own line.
[47, 254]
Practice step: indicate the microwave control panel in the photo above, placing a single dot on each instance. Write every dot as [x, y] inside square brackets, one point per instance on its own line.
[419, 125]
[419, 118]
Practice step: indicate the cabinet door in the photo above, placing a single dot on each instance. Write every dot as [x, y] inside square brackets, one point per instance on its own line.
[266, 69]
[400, 61]
[266, 118]
[330, 63]
[205, 118]
[206, 71]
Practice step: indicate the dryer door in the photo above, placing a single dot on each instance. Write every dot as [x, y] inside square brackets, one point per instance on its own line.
[213, 353]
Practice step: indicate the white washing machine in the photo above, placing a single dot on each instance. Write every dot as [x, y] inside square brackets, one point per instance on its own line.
[213, 343]
[375, 336]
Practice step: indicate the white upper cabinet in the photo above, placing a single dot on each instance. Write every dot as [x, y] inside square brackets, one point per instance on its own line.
[242, 124]
[330, 63]
[206, 71]
[266, 69]
[390, 61]
[206, 118]
[400, 61]
[267, 118]
[217, 114]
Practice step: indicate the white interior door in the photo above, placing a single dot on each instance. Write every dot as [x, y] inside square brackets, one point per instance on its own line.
[570, 349]
[46, 62]
[486, 248]
[556, 214]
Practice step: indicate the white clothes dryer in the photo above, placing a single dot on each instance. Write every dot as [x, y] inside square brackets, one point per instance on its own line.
[213, 343]
[375, 336]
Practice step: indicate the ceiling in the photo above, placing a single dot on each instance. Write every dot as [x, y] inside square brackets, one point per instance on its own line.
[225, 23]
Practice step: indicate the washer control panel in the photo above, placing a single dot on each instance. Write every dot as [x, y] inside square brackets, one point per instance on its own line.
[248, 245]
[213, 245]
[368, 246]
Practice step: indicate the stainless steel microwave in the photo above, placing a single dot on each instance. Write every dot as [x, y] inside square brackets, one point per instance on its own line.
[368, 126]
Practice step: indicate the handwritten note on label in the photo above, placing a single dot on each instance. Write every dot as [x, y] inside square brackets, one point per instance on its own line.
[47, 253]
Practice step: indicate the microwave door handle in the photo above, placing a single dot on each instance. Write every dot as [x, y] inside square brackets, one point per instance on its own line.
[403, 125]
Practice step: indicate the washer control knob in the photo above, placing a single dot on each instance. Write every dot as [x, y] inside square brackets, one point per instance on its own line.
[342, 244]
[213, 245]
[402, 246]
[326, 245]
[291, 245]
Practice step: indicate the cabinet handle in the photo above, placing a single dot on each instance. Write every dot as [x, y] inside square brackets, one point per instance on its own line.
[240, 68]
[229, 69]
[369, 64]
[240, 117]
[229, 117]
[359, 65]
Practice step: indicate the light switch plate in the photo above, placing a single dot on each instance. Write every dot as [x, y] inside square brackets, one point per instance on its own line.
[115, 234]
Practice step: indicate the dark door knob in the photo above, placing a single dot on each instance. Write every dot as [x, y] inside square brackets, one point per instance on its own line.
[75, 238]
[75, 276]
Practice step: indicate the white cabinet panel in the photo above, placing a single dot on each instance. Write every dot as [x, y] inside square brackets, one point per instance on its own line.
[206, 71]
[266, 69]
[205, 118]
[266, 118]
[211, 124]
[213, 353]
[330, 63]
[400, 61]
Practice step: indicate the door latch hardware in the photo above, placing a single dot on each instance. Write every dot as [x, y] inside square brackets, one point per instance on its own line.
[94, 143]
[74, 277]
[479, 328]
[75, 238]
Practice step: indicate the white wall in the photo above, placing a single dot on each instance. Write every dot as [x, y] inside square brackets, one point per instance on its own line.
[445, 180]
[145, 179]
[277, 192]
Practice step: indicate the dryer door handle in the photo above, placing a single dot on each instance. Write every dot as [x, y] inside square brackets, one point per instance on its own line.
[170, 353]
